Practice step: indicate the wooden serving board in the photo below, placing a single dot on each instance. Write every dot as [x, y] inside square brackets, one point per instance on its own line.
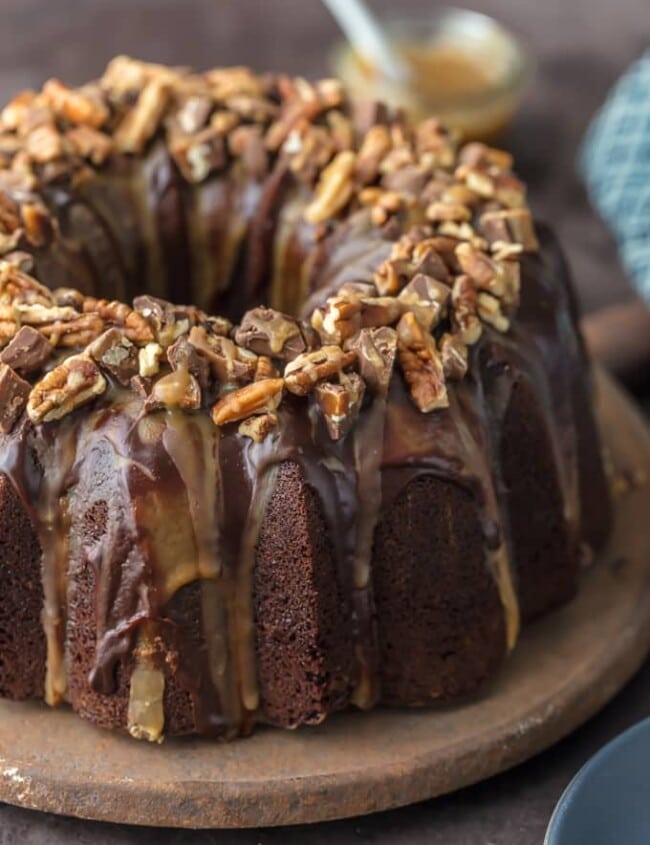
[565, 668]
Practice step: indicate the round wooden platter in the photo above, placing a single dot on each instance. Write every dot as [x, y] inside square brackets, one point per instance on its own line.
[565, 668]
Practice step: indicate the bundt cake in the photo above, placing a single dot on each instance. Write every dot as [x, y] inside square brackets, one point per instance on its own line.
[353, 486]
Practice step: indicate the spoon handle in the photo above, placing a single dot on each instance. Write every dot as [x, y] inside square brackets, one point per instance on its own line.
[367, 37]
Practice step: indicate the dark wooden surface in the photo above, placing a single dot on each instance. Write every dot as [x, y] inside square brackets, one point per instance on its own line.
[580, 47]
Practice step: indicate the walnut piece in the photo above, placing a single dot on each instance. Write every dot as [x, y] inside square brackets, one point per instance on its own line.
[74, 382]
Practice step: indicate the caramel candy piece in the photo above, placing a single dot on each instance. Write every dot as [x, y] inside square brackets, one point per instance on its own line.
[376, 349]
[115, 353]
[27, 352]
[340, 403]
[271, 333]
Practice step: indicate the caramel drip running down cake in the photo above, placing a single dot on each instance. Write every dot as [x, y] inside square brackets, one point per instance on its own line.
[352, 486]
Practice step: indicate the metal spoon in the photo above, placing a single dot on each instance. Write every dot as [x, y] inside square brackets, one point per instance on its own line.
[364, 33]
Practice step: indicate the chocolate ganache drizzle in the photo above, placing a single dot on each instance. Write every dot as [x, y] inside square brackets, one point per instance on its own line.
[150, 440]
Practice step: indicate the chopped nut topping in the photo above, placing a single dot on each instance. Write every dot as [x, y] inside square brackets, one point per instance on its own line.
[75, 106]
[149, 360]
[465, 318]
[261, 396]
[141, 123]
[334, 189]
[421, 364]
[306, 370]
[259, 427]
[73, 383]
[90, 144]
[489, 310]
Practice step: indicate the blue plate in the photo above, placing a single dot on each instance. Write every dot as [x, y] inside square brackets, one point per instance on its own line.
[608, 801]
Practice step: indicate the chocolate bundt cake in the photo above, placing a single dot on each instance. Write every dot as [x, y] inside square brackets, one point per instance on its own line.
[350, 488]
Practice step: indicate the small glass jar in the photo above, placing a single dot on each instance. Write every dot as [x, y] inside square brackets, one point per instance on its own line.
[467, 69]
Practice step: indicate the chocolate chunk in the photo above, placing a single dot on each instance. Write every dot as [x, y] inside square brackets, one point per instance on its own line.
[115, 353]
[271, 333]
[182, 355]
[14, 392]
[376, 349]
[27, 352]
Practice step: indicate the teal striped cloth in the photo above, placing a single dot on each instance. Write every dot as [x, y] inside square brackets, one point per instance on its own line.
[615, 164]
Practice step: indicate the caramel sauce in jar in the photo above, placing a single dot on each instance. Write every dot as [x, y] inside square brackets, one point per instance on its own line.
[465, 69]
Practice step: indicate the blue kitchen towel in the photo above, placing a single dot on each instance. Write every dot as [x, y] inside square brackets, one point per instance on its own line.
[615, 164]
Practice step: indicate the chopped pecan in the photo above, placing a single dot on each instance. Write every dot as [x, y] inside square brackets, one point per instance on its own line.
[182, 355]
[75, 106]
[391, 275]
[27, 352]
[74, 382]
[265, 369]
[69, 297]
[14, 393]
[141, 123]
[149, 360]
[334, 190]
[272, 333]
[9, 213]
[44, 144]
[484, 270]
[489, 310]
[340, 130]
[197, 156]
[339, 319]
[421, 364]
[258, 427]
[376, 349]
[227, 82]
[13, 114]
[434, 143]
[193, 114]
[229, 363]
[464, 312]
[439, 211]
[136, 327]
[307, 369]
[178, 389]
[374, 147]
[454, 356]
[90, 144]
[310, 149]
[63, 326]
[255, 109]
[340, 403]
[258, 397]
[427, 298]
[115, 353]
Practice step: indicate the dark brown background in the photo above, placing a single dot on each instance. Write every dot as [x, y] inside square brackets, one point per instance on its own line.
[580, 48]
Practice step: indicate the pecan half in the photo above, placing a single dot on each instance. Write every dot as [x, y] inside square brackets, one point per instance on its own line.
[14, 392]
[421, 364]
[142, 121]
[340, 403]
[74, 382]
[259, 397]
[339, 319]
[306, 370]
[334, 189]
